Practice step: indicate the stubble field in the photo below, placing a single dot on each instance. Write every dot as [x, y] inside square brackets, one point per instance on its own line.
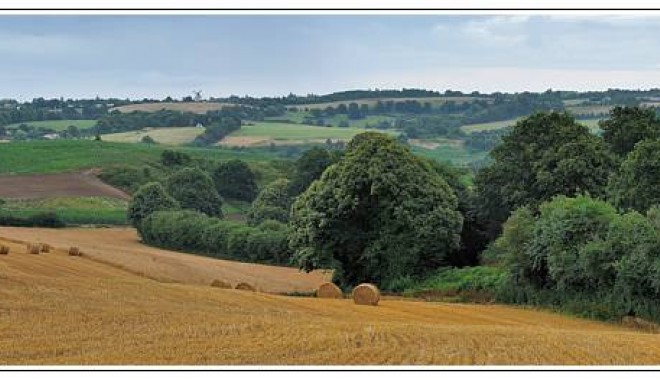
[60, 309]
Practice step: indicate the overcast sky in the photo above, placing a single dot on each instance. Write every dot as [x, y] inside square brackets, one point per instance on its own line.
[157, 56]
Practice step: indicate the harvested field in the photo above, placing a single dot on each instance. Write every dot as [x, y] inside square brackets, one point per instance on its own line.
[166, 136]
[195, 107]
[56, 309]
[82, 184]
[120, 247]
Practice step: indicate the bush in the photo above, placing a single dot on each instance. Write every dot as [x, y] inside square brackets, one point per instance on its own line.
[175, 229]
[476, 283]
[148, 199]
[234, 179]
[272, 203]
[47, 220]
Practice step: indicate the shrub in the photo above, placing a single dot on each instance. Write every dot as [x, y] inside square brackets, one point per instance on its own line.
[148, 199]
[234, 179]
[47, 220]
[175, 229]
[273, 202]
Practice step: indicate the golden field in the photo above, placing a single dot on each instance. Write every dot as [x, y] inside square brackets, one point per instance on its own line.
[60, 309]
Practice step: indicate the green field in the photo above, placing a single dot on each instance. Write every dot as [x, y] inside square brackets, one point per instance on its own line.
[71, 155]
[435, 100]
[592, 124]
[287, 133]
[166, 136]
[71, 210]
[57, 125]
[452, 153]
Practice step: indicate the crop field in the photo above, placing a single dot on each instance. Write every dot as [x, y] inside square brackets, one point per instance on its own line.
[263, 134]
[71, 210]
[60, 309]
[166, 136]
[194, 107]
[57, 125]
[371, 102]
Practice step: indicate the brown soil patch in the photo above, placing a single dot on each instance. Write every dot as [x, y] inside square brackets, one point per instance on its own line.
[39, 186]
[120, 247]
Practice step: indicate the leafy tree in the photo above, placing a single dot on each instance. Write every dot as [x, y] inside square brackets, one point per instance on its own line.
[309, 167]
[148, 199]
[234, 179]
[272, 203]
[380, 214]
[148, 140]
[544, 155]
[637, 183]
[194, 190]
[627, 126]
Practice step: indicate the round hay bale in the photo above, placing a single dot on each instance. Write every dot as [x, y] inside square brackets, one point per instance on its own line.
[220, 284]
[329, 290]
[4, 250]
[366, 294]
[74, 251]
[45, 248]
[34, 249]
[244, 286]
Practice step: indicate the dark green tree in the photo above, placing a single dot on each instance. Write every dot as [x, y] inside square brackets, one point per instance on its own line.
[627, 126]
[637, 183]
[234, 179]
[380, 215]
[194, 190]
[544, 155]
[148, 199]
[174, 158]
[272, 203]
[309, 167]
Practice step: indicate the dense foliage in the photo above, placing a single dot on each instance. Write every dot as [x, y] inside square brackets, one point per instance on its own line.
[580, 255]
[194, 190]
[379, 215]
[626, 126]
[272, 203]
[234, 179]
[309, 168]
[148, 199]
[637, 183]
[195, 232]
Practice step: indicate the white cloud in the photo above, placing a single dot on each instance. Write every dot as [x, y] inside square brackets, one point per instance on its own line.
[33, 44]
[501, 31]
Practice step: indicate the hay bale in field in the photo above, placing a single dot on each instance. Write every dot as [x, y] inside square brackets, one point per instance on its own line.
[74, 251]
[329, 290]
[34, 249]
[221, 284]
[45, 248]
[366, 294]
[244, 286]
[4, 250]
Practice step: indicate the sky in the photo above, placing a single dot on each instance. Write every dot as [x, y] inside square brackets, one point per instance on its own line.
[133, 56]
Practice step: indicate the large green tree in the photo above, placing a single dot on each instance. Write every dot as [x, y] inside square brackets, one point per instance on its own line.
[194, 190]
[380, 214]
[272, 203]
[637, 183]
[626, 126]
[544, 155]
[234, 179]
[148, 199]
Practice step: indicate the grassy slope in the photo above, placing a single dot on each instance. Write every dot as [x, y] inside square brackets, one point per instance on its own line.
[71, 210]
[72, 155]
[73, 310]
[166, 136]
[58, 125]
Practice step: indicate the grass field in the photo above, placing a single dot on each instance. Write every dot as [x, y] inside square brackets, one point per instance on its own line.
[166, 136]
[452, 153]
[71, 210]
[73, 155]
[57, 125]
[195, 107]
[58, 309]
[265, 133]
[592, 124]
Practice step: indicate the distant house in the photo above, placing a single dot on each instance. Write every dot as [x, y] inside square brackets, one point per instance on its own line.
[51, 136]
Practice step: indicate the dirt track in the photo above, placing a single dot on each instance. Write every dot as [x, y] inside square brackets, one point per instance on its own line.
[120, 247]
[38, 186]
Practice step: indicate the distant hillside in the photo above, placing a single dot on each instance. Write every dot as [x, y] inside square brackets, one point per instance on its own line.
[195, 107]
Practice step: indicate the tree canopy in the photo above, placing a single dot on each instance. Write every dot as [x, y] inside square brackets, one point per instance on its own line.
[544, 155]
[148, 199]
[626, 126]
[272, 203]
[637, 183]
[194, 190]
[380, 215]
[309, 167]
[234, 179]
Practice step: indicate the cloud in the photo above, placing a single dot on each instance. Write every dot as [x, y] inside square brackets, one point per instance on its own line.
[498, 31]
[38, 45]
